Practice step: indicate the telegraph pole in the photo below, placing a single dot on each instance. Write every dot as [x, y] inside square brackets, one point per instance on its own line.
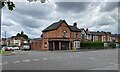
[5, 43]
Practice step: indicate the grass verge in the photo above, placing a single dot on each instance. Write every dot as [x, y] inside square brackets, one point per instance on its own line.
[4, 52]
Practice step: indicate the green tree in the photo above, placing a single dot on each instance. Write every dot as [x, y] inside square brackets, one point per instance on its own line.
[18, 34]
[11, 5]
[22, 33]
[25, 36]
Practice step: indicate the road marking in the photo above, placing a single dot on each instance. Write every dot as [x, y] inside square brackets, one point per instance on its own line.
[35, 59]
[93, 51]
[114, 64]
[59, 57]
[26, 60]
[16, 62]
[45, 58]
[4, 63]
[92, 58]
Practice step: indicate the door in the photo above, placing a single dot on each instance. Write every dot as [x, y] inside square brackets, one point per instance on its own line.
[51, 46]
[56, 45]
[77, 44]
[65, 46]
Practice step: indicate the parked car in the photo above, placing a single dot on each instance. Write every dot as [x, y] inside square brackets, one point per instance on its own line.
[25, 47]
[16, 48]
[8, 48]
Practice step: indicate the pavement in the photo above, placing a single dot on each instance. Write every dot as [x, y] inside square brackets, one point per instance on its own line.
[61, 60]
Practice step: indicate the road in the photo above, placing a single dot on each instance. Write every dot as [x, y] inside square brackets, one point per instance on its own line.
[61, 60]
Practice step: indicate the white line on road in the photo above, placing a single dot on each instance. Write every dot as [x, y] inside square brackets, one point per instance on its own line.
[92, 58]
[59, 57]
[26, 60]
[35, 59]
[16, 61]
[93, 51]
[45, 58]
[4, 63]
[114, 64]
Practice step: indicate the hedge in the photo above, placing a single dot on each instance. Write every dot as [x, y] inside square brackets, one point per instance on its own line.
[92, 45]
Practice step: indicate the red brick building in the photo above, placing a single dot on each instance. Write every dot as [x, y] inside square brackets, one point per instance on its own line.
[36, 44]
[61, 36]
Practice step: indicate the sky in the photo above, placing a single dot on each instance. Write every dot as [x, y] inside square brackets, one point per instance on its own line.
[33, 17]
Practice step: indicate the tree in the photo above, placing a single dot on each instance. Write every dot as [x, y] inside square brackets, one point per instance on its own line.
[25, 36]
[18, 34]
[11, 5]
[22, 33]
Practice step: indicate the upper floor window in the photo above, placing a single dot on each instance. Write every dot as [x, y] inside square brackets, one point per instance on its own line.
[96, 38]
[45, 35]
[76, 34]
[45, 45]
[64, 34]
[104, 38]
[70, 34]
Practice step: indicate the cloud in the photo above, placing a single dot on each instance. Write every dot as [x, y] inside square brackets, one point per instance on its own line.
[32, 18]
[109, 6]
[36, 10]
[75, 7]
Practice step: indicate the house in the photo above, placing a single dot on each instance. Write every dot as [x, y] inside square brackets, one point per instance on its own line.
[95, 36]
[13, 41]
[61, 36]
[17, 40]
[114, 38]
[107, 35]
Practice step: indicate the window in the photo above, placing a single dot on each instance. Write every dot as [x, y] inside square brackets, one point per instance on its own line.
[64, 33]
[104, 38]
[77, 44]
[45, 35]
[45, 45]
[70, 34]
[76, 34]
[96, 38]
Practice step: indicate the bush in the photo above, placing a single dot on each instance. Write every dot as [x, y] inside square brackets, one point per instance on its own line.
[112, 45]
[92, 45]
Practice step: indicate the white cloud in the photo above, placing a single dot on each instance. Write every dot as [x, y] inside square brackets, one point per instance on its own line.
[32, 18]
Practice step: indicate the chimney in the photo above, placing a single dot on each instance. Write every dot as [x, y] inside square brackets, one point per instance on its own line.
[75, 24]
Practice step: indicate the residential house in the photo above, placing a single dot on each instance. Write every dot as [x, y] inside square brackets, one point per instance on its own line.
[95, 36]
[108, 35]
[114, 38]
[61, 36]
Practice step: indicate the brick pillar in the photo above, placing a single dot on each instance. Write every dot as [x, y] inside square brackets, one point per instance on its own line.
[59, 45]
[53, 45]
[69, 46]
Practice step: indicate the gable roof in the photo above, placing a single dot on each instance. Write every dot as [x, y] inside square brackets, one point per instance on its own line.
[57, 24]
[53, 26]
